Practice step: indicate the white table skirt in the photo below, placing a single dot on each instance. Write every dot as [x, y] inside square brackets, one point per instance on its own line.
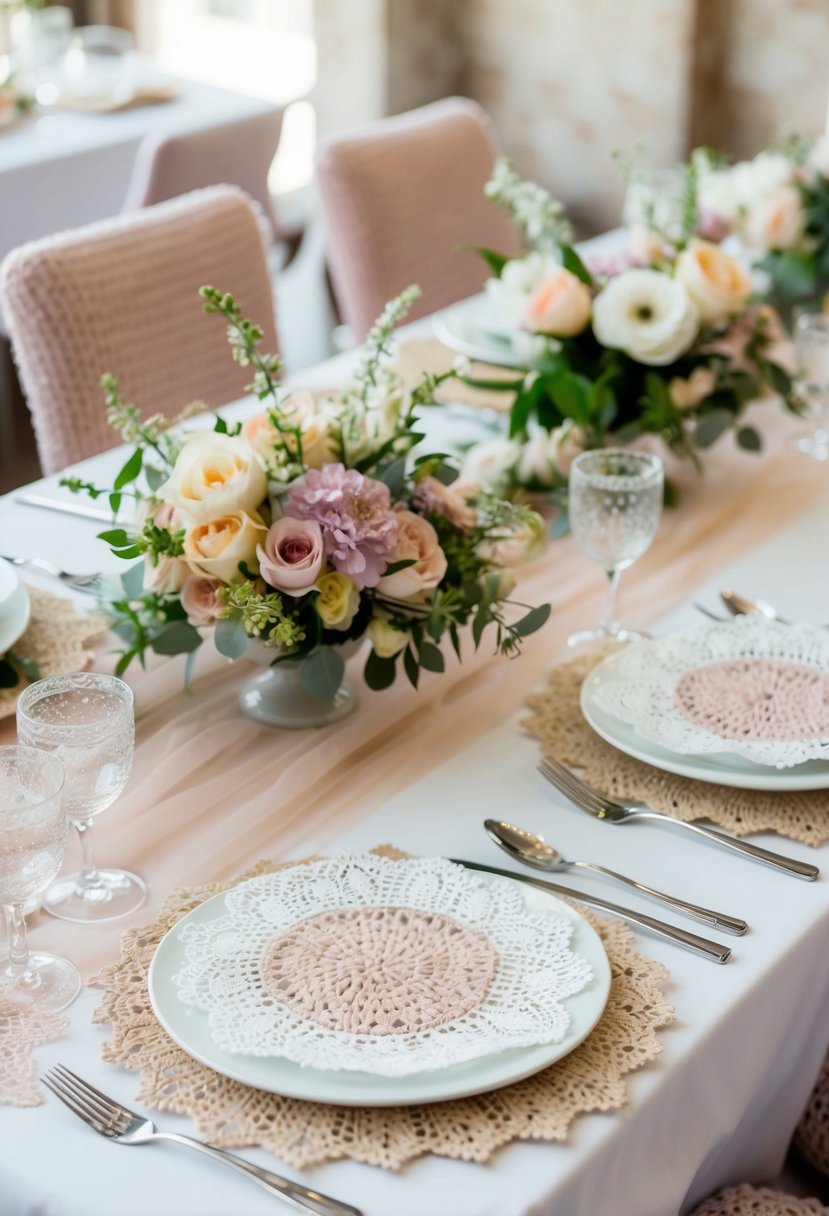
[718, 1106]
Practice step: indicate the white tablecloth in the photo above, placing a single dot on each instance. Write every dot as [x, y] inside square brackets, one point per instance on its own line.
[718, 1106]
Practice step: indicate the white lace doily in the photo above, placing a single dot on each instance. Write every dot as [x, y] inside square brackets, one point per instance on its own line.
[362, 963]
[752, 688]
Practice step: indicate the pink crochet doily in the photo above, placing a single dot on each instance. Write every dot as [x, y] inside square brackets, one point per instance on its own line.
[379, 970]
[557, 721]
[756, 699]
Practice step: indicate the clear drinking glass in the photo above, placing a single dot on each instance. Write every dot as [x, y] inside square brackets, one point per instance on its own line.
[811, 339]
[33, 827]
[615, 502]
[87, 721]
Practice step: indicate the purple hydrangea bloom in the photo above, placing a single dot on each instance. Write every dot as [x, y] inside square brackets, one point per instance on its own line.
[359, 526]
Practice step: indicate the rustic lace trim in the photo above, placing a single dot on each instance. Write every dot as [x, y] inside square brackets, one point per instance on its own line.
[811, 1138]
[22, 1028]
[558, 723]
[305, 1133]
[745, 1200]
[56, 640]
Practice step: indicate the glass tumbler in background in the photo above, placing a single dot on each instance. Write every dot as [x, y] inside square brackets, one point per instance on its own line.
[87, 721]
[811, 340]
[615, 502]
[33, 827]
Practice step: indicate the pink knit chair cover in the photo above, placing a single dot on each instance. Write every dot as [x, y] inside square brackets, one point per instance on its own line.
[239, 152]
[399, 199]
[745, 1200]
[811, 1138]
[122, 296]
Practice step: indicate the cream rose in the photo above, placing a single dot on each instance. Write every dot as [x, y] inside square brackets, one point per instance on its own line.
[524, 543]
[338, 600]
[291, 556]
[215, 548]
[386, 640]
[646, 314]
[560, 306]
[199, 599]
[166, 575]
[776, 222]
[215, 475]
[416, 541]
[489, 464]
[716, 282]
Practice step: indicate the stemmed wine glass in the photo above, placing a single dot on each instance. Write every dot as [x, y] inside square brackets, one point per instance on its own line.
[811, 340]
[87, 721]
[33, 827]
[615, 502]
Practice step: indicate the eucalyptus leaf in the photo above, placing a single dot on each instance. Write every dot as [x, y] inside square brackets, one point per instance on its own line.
[533, 621]
[749, 438]
[133, 581]
[379, 673]
[155, 477]
[392, 476]
[322, 672]
[178, 637]
[711, 426]
[229, 637]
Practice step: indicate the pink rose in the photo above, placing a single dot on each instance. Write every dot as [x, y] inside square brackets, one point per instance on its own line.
[199, 599]
[291, 557]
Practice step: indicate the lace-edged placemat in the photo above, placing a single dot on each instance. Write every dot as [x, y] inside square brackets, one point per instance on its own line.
[558, 723]
[420, 355]
[305, 1133]
[22, 1028]
[56, 641]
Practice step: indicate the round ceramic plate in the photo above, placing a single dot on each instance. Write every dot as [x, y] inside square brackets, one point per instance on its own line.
[14, 606]
[469, 330]
[719, 768]
[189, 1028]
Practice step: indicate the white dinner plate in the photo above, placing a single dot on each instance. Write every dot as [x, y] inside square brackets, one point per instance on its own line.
[719, 768]
[14, 606]
[470, 330]
[189, 1028]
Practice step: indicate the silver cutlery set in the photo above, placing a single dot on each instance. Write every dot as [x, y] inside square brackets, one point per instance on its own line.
[115, 1122]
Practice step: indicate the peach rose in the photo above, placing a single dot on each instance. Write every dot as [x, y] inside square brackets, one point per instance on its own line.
[685, 394]
[776, 222]
[292, 554]
[199, 599]
[216, 547]
[560, 305]
[716, 282]
[417, 541]
[214, 475]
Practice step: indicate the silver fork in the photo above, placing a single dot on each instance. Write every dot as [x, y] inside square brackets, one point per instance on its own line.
[90, 583]
[600, 807]
[108, 1118]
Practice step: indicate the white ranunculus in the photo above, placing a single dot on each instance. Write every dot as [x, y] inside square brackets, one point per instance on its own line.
[646, 314]
[213, 476]
[508, 294]
[489, 464]
[716, 282]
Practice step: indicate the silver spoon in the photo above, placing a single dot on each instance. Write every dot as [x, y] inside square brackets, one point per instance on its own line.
[534, 851]
[740, 605]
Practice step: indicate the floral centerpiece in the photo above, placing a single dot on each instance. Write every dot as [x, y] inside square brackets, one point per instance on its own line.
[312, 524]
[667, 342]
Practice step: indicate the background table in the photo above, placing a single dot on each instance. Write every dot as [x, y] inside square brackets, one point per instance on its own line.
[212, 793]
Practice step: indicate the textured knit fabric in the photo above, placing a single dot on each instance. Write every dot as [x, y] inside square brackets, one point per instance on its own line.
[399, 200]
[747, 1200]
[811, 1139]
[121, 296]
[168, 165]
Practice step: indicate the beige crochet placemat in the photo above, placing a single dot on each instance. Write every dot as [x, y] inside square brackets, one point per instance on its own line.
[557, 721]
[417, 356]
[22, 1028]
[57, 640]
[305, 1133]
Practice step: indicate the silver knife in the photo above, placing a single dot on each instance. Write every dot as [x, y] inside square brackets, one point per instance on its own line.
[681, 937]
[64, 508]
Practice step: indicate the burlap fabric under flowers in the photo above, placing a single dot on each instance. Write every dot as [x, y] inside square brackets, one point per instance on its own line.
[304, 1133]
[56, 640]
[558, 722]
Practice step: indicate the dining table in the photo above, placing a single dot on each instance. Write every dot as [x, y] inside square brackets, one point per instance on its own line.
[212, 793]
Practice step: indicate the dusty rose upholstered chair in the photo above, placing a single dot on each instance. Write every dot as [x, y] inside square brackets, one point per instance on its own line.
[747, 1200]
[122, 296]
[399, 198]
[239, 152]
